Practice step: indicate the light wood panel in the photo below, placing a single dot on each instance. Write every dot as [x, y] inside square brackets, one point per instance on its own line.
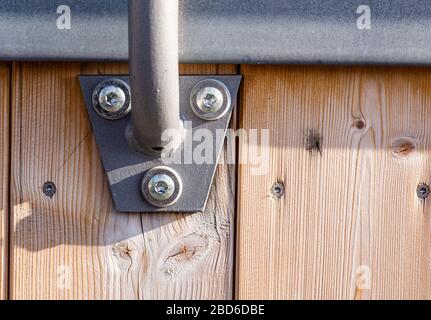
[4, 174]
[350, 146]
[75, 246]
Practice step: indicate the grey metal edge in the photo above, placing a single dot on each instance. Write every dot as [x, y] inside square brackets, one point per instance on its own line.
[227, 31]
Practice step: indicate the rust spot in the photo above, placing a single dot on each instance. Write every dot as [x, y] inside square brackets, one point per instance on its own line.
[314, 142]
[404, 147]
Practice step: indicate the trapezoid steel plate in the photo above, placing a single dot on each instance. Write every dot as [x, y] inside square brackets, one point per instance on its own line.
[126, 167]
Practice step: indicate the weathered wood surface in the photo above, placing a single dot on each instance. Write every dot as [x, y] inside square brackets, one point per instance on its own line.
[75, 246]
[350, 145]
[4, 174]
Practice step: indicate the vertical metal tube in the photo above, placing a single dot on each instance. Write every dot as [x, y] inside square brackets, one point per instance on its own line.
[154, 70]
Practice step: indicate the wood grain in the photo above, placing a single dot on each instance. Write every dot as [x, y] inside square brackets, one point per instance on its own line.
[350, 145]
[4, 174]
[75, 246]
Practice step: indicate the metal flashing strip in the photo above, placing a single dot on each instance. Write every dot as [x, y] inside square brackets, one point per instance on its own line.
[227, 31]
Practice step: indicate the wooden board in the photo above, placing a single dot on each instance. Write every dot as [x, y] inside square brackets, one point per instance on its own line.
[4, 174]
[74, 245]
[350, 146]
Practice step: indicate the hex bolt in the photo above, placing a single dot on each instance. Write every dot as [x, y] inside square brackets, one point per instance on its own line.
[423, 191]
[161, 187]
[112, 99]
[210, 100]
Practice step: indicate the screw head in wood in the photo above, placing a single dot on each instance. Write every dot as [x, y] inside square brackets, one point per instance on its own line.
[112, 99]
[277, 190]
[210, 100]
[49, 189]
[161, 187]
[423, 191]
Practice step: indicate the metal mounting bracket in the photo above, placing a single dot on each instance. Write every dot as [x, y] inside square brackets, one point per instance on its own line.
[126, 168]
[149, 155]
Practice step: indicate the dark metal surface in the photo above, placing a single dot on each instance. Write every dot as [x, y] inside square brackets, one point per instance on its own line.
[125, 167]
[228, 31]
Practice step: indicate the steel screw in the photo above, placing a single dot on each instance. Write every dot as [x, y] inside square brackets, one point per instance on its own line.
[49, 189]
[277, 190]
[161, 187]
[423, 191]
[112, 99]
[210, 100]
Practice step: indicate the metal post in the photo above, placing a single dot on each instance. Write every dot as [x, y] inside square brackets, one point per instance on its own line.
[154, 71]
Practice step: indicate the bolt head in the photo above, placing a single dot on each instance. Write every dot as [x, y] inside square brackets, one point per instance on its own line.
[210, 100]
[277, 190]
[423, 191]
[161, 187]
[49, 189]
[112, 98]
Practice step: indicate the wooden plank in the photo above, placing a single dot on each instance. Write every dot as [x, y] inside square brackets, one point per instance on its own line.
[4, 169]
[75, 246]
[350, 145]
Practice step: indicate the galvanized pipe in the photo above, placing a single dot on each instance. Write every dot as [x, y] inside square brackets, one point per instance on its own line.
[154, 71]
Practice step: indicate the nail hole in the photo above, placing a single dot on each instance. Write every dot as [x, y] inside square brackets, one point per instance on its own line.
[277, 190]
[423, 191]
[49, 189]
[359, 124]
